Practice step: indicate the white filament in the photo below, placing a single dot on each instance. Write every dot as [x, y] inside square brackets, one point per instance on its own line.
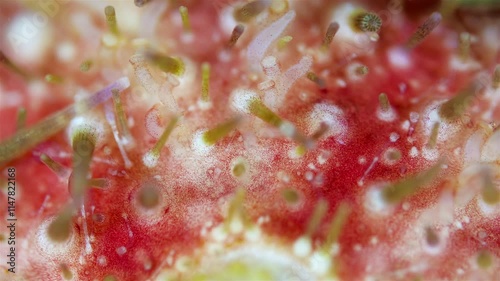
[110, 117]
[274, 97]
[293, 73]
[259, 45]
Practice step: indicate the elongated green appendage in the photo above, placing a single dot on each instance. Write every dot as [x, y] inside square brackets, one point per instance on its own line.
[83, 186]
[336, 226]
[186, 24]
[330, 33]
[140, 3]
[205, 82]
[235, 35]
[303, 245]
[98, 182]
[55, 167]
[496, 77]
[109, 11]
[26, 139]
[434, 135]
[260, 110]
[383, 101]
[150, 159]
[212, 136]
[54, 79]
[464, 46]
[316, 218]
[83, 141]
[166, 63]
[236, 218]
[456, 106]
[424, 30]
[316, 79]
[21, 119]
[301, 149]
[395, 193]
[120, 116]
[250, 10]
[164, 137]
[490, 192]
[323, 128]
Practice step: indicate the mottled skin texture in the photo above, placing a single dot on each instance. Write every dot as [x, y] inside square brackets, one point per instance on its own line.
[197, 188]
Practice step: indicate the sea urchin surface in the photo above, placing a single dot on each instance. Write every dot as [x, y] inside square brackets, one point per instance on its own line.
[249, 140]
